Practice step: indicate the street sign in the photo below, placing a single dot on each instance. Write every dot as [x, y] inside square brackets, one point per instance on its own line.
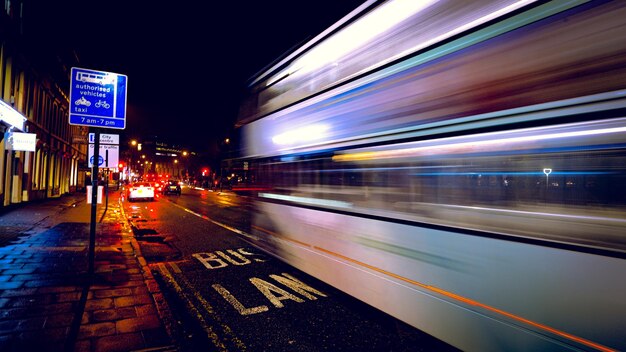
[114, 155]
[105, 138]
[20, 141]
[98, 99]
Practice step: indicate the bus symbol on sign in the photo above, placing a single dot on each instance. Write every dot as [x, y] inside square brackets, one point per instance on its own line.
[95, 78]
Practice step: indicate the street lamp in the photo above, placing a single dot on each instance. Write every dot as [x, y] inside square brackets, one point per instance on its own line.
[134, 146]
[224, 155]
[185, 174]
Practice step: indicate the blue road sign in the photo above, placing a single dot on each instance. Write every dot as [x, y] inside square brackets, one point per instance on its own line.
[98, 98]
[100, 160]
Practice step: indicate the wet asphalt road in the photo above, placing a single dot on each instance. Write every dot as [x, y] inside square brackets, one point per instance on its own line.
[227, 295]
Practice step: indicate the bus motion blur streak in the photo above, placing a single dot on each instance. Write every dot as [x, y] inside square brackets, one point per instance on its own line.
[448, 294]
[473, 149]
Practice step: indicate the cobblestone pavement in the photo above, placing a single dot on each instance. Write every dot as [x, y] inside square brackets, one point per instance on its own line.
[48, 302]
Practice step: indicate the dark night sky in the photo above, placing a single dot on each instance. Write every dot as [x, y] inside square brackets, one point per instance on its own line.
[187, 61]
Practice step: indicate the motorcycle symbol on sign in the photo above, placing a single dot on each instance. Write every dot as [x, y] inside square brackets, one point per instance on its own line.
[102, 103]
[83, 101]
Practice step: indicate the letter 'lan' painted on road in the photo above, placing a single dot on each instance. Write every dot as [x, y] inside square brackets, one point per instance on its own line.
[268, 290]
[220, 259]
[235, 302]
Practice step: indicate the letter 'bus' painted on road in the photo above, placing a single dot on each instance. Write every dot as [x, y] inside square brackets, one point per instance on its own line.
[268, 290]
[219, 259]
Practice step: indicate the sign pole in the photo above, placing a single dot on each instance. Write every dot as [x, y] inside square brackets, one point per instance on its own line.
[106, 185]
[94, 201]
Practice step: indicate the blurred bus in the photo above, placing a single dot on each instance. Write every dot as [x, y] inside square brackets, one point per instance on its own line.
[459, 165]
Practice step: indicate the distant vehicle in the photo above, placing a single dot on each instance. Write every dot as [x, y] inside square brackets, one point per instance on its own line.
[141, 190]
[171, 186]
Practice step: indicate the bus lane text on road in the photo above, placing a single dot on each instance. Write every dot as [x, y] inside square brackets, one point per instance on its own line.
[272, 292]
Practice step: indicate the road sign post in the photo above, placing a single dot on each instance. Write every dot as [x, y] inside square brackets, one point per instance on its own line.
[94, 203]
[97, 99]
[106, 185]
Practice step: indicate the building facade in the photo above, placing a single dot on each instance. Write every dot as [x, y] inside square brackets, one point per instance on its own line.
[155, 156]
[35, 100]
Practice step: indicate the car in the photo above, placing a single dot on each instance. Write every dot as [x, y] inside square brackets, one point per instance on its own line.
[171, 186]
[141, 190]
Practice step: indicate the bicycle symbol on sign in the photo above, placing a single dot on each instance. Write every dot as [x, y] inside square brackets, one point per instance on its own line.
[102, 103]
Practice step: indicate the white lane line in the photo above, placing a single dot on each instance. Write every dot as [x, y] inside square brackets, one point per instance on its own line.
[230, 228]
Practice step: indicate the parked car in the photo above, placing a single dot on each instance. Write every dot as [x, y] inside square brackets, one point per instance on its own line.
[171, 186]
[140, 190]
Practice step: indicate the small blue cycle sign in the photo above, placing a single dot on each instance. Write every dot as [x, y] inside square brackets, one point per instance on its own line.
[100, 160]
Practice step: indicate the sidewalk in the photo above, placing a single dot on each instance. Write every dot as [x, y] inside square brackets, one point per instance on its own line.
[47, 300]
